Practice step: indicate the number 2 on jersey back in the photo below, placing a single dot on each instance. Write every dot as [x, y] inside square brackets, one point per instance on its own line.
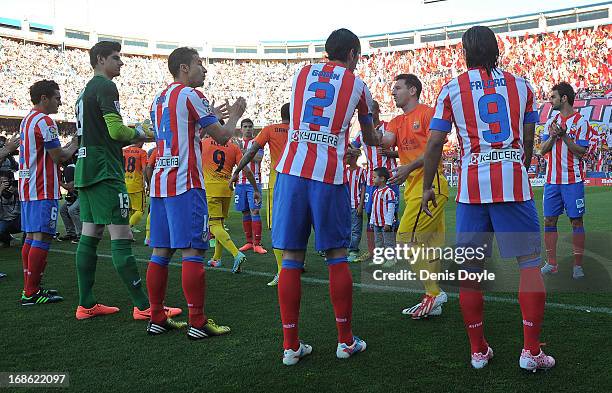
[324, 97]
[492, 110]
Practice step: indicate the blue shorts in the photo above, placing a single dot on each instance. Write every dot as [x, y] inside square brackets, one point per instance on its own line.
[243, 198]
[180, 221]
[300, 204]
[515, 225]
[370, 191]
[39, 216]
[564, 197]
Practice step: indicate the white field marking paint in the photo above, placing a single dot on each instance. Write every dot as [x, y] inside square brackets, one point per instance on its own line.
[563, 306]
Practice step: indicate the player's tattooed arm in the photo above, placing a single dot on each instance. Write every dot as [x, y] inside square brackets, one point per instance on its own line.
[528, 138]
[248, 156]
[259, 156]
[431, 160]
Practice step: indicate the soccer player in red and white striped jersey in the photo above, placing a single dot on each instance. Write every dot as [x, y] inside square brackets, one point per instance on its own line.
[310, 190]
[244, 200]
[179, 213]
[377, 157]
[565, 141]
[355, 181]
[494, 113]
[40, 154]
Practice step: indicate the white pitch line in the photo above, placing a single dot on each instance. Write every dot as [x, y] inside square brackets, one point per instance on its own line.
[310, 280]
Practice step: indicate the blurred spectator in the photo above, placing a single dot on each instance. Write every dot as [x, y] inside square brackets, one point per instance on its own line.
[70, 211]
[9, 164]
[10, 208]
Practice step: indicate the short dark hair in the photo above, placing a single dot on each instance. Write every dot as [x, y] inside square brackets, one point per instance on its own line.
[339, 44]
[382, 172]
[411, 80]
[481, 49]
[565, 89]
[182, 55]
[285, 112]
[102, 49]
[42, 88]
[246, 120]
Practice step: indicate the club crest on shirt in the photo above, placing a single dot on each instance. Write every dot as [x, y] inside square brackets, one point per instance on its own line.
[117, 106]
[53, 132]
[206, 105]
[124, 212]
[416, 125]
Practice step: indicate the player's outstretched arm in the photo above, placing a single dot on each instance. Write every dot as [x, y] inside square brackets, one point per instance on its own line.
[222, 134]
[248, 156]
[9, 147]
[63, 154]
[401, 173]
[431, 160]
[253, 182]
[368, 133]
[528, 138]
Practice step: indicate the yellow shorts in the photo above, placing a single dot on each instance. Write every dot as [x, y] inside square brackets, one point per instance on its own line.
[269, 206]
[137, 200]
[416, 226]
[218, 207]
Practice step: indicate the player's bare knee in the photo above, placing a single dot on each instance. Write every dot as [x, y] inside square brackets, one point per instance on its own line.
[551, 221]
[577, 222]
[335, 253]
[118, 232]
[294, 255]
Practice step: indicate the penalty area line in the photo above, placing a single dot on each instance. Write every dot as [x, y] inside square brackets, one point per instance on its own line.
[382, 288]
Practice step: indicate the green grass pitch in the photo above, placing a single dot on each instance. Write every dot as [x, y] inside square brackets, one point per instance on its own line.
[114, 353]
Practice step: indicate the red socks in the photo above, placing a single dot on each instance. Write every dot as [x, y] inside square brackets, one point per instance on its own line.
[289, 296]
[532, 296]
[578, 242]
[472, 306]
[37, 261]
[550, 241]
[25, 251]
[157, 281]
[256, 226]
[341, 294]
[247, 227]
[194, 287]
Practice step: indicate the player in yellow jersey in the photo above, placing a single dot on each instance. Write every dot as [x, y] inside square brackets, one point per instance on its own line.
[275, 136]
[135, 162]
[148, 173]
[409, 132]
[217, 163]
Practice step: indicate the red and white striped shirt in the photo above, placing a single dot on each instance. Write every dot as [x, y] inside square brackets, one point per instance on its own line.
[324, 98]
[179, 113]
[562, 166]
[355, 178]
[374, 157]
[255, 167]
[489, 113]
[38, 174]
[383, 207]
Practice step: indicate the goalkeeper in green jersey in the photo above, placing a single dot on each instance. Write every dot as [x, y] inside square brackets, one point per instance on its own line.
[100, 179]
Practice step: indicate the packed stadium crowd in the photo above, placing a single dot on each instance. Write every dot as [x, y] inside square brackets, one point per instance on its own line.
[579, 56]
